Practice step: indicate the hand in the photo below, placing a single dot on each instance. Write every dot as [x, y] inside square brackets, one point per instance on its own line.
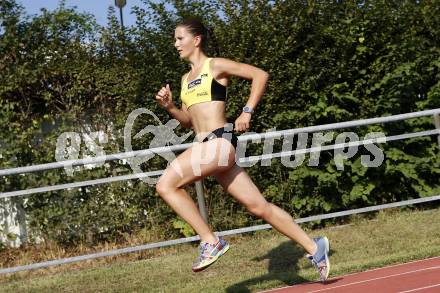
[164, 97]
[242, 123]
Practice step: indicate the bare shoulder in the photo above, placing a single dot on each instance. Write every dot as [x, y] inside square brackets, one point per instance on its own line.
[219, 67]
[226, 67]
[219, 63]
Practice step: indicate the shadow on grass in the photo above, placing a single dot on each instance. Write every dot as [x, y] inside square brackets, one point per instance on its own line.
[283, 266]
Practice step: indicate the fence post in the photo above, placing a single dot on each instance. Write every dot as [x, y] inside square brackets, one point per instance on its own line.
[201, 200]
[18, 202]
[437, 125]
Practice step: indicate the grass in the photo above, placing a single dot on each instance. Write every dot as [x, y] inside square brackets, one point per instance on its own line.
[255, 262]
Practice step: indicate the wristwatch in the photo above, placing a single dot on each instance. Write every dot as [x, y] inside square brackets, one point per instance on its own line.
[248, 109]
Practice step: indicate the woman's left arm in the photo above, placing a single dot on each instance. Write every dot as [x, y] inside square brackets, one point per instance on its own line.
[222, 68]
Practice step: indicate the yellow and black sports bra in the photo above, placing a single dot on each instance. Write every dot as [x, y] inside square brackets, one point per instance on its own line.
[204, 88]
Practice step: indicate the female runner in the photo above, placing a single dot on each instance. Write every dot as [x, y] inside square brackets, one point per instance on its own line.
[203, 94]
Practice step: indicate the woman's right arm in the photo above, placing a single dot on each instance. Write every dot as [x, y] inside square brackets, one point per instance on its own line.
[165, 98]
[182, 115]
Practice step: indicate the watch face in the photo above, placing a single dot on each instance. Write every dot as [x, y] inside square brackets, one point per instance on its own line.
[247, 109]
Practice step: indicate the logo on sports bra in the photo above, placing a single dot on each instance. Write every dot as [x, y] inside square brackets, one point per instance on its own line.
[194, 83]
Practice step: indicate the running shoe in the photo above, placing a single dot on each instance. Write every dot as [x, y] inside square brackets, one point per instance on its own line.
[320, 259]
[209, 253]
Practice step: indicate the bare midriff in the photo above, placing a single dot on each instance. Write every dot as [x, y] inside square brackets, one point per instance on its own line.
[206, 117]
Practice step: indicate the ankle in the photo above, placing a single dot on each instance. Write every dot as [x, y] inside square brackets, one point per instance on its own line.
[314, 249]
[211, 239]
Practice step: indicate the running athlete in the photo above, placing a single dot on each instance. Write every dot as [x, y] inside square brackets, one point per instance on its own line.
[203, 94]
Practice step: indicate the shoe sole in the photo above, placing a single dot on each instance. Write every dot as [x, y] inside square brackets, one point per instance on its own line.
[327, 262]
[213, 260]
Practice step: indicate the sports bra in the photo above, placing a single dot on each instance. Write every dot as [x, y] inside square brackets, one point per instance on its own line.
[204, 88]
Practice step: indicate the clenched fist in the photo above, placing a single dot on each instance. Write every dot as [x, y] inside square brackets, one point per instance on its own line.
[242, 123]
[164, 97]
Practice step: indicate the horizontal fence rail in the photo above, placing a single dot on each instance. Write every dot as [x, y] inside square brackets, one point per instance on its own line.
[340, 125]
[341, 145]
[80, 184]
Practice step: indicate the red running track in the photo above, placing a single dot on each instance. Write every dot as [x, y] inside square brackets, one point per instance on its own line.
[421, 276]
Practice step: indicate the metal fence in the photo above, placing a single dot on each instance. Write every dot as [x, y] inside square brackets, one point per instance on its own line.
[435, 113]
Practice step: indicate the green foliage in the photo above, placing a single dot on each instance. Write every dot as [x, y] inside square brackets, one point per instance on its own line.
[328, 61]
[184, 228]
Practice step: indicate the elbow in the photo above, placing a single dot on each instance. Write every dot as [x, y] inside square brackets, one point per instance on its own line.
[263, 76]
[186, 124]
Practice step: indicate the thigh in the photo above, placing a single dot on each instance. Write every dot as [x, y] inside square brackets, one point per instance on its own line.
[238, 184]
[200, 160]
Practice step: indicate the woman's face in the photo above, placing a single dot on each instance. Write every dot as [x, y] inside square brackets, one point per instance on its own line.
[185, 42]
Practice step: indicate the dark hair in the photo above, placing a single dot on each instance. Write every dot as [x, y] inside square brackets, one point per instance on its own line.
[197, 28]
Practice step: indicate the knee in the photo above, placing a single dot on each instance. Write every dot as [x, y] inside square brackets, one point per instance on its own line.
[261, 210]
[163, 188]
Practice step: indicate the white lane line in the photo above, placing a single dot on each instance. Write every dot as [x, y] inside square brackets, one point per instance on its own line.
[379, 278]
[356, 273]
[394, 265]
[421, 288]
